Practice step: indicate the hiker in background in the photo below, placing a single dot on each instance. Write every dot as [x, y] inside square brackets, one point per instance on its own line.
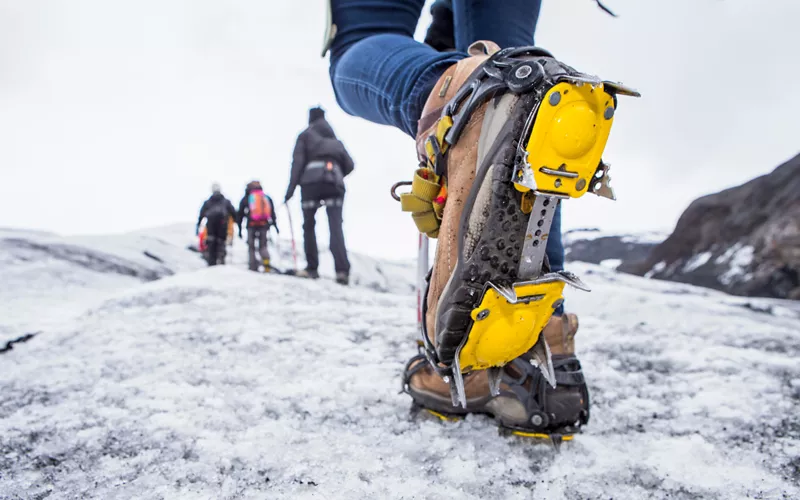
[217, 211]
[319, 165]
[259, 211]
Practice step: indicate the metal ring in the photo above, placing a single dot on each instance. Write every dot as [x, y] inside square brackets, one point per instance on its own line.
[397, 185]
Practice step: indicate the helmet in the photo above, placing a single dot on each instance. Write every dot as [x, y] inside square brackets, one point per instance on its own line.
[215, 188]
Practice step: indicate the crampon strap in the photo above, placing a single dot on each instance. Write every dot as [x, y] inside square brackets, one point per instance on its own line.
[425, 201]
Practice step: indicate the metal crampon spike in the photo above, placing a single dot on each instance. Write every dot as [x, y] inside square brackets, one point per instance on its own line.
[457, 383]
[540, 357]
[457, 393]
[601, 183]
[556, 440]
[495, 374]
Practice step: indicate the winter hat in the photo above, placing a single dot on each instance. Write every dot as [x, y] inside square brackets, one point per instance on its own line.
[215, 188]
[315, 114]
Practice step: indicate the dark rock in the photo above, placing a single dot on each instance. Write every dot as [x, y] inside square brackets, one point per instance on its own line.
[744, 240]
[590, 245]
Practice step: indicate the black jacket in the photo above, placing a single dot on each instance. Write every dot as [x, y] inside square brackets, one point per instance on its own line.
[217, 203]
[244, 211]
[318, 143]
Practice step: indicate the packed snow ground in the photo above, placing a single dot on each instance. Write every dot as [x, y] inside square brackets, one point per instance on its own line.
[222, 383]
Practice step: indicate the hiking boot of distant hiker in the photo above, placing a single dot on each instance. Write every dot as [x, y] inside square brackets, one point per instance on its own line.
[342, 278]
[267, 268]
[504, 136]
[307, 273]
[526, 404]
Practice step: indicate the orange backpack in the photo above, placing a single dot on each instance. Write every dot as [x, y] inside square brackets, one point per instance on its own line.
[260, 210]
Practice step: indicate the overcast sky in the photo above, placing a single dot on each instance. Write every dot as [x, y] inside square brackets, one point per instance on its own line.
[118, 115]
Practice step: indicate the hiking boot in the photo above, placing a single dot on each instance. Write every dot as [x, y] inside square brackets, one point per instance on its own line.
[265, 262]
[504, 136]
[526, 404]
[342, 278]
[307, 273]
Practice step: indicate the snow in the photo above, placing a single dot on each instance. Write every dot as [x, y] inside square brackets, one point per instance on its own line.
[739, 257]
[589, 234]
[41, 270]
[660, 266]
[611, 263]
[221, 383]
[697, 261]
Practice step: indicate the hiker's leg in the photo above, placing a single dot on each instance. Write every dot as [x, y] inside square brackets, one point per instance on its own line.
[378, 71]
[508, 23]
[441, 32]
[555, 250]
[218, 230]
[251, 248]
[310, 238]
[337, 244]
[262, 244]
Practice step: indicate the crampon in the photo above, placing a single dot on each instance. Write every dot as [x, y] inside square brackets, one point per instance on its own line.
[509, 135]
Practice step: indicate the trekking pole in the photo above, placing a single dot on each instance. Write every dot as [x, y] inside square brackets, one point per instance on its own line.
[291, 233]
[422, 273]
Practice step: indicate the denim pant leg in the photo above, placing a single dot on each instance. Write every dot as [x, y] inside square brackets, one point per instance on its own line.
[555, 250]
[508, 23]
[378, 71]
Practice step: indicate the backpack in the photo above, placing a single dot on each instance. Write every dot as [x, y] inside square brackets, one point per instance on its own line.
[260, 212]
[203, 240]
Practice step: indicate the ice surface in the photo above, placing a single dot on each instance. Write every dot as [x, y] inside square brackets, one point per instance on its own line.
[220, 384]
[611, 263]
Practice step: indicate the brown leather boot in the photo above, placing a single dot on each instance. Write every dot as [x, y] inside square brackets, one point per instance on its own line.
[504, 136]
[526, 404]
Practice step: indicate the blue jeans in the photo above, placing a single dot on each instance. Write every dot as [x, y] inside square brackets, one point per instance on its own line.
[380, 73]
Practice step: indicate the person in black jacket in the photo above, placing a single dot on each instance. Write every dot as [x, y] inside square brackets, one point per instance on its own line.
[259, 211]
[216, 210]
[319, 166]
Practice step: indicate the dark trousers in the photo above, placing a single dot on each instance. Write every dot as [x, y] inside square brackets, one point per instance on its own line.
[257, 234]
[217, 227]
[338, 249]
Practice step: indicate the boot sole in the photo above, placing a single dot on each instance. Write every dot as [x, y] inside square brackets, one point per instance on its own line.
[495, 257]
[555, 435]
[485, 283]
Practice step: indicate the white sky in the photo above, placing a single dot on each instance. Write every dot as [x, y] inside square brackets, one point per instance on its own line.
[119, 115]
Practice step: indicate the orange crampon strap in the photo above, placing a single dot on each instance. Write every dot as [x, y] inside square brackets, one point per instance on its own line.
[425, 201]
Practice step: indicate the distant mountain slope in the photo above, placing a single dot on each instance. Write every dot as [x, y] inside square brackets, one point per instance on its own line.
[744, 240]
[615, 251]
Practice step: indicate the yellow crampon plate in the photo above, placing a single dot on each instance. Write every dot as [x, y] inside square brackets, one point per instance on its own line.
[540, 435]
[443, 417]
[510, 327]
[570, 134]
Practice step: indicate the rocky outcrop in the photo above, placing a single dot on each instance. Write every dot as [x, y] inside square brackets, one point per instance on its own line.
[744, 240]
[617, 251]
